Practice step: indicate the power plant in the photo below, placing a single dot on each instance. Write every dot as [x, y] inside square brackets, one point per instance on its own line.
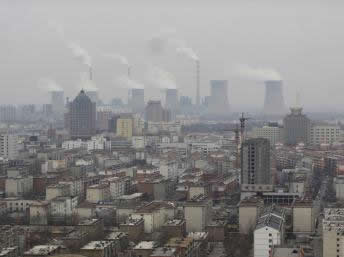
[137, 99]
[57, 101]
[218, 102]
[274, 99]
[171, 100]
[198, 96]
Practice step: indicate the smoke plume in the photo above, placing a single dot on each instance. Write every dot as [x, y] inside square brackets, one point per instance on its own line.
[86, 83]
[188, 52]
[48, 85]
[129, 83]
[168, 38]
[122, 59]
[161, 79]
[80, 53]
[258, 74]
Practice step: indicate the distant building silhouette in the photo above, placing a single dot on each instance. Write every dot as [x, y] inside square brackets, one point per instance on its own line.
[81, 118]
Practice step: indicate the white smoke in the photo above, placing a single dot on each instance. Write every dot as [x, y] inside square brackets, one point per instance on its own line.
[86, 83]
[49, 85]
[80, 53]
[160, 78]
[257, 74]
[160, 42]
[122, 59]
[124, 81]
[188, 52]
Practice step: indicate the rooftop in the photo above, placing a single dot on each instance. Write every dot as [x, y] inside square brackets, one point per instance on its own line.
[174, 222]
[42, 250]
[96, 245]
[155, 205]
[145, 245]
[164, 251]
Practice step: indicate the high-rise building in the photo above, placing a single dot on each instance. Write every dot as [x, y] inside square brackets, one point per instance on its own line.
[57, 102]
[272, 131]
[137, 99]
[156, 113]
[8, 113]
[103, 117]
[255, 161]
[47, 109]
[274, 99]
[82, 117]
[93, 95]
[125, 125]
[296, 127]
[218, 104]
[8, 146]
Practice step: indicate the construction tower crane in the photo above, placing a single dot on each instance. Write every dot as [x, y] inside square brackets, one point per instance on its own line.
[243, 120]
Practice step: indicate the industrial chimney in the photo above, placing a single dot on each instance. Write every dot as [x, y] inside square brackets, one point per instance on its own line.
[274, 100]
[198, 100]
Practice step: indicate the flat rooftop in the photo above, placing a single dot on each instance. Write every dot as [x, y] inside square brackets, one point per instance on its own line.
[96, 245]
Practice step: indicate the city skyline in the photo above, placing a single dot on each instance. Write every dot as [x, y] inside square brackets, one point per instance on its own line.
[295, 40]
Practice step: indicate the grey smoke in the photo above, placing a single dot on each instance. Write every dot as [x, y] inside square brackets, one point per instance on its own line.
[257, 74]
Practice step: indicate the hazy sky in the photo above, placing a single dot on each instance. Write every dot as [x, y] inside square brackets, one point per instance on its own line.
[302, 40]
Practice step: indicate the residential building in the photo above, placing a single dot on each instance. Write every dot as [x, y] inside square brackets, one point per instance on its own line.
[255, 162]
[56, 190]
[272, 131]
[303, 216]
[154, 214]
[249, 210]
[197, 214]
[269, 231]
[324, 134]
[98, 248]
[9, 146]
[332, 231]
[98, 193]
[125, 126]
[19, 186]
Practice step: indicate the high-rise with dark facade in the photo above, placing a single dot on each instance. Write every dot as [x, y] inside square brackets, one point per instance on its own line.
[255, 161]
[81, 119]
[296, 127]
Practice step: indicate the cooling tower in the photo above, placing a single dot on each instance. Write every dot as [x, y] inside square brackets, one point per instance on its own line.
[171, 100]
[93, 95]
[57, 101]
[274, 100]
[137, 99]
[218, 102]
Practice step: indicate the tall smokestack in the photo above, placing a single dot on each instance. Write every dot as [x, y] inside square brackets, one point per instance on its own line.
[274, 99]
[91, 73]
[129, 71]
[197, 83]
